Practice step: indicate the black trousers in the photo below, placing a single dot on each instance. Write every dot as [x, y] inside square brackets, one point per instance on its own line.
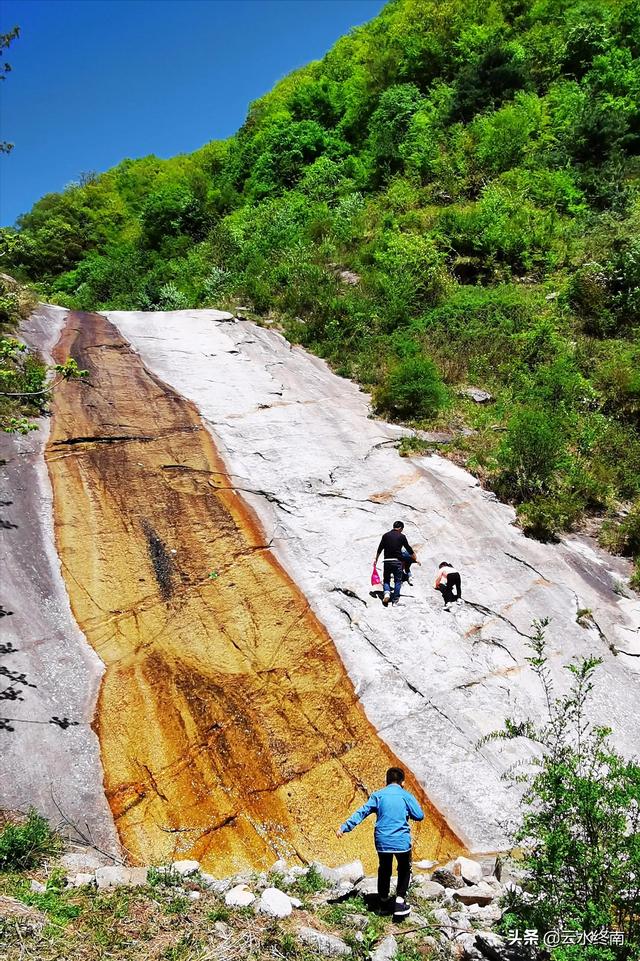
[385, 867]
[453, 580]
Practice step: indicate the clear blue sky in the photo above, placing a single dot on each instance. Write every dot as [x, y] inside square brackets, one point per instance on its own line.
[95, 81]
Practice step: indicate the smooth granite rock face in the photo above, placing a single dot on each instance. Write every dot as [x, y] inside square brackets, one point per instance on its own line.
[45, 764]
[326, 482]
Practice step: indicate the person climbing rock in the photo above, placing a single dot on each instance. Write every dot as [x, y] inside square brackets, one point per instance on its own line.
[397, 551]
[393, 807]
[448, 579]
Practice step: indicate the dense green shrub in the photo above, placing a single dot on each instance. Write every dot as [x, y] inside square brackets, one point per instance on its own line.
[533, 449]
[412, 389]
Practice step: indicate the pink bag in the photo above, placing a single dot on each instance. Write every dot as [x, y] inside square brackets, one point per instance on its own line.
[375, 577]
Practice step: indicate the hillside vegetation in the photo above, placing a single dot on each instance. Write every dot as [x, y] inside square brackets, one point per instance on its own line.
[450, 197]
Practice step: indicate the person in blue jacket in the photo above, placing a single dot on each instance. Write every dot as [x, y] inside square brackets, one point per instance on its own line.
[393, 806]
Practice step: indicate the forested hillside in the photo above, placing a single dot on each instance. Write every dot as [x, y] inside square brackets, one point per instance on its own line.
[450, 197]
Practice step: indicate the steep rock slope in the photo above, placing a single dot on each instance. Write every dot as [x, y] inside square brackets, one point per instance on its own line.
[325, 481]
[228, 726]
[48, 670]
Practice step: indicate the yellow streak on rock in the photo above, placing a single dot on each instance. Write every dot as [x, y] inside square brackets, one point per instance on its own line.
[229, 729]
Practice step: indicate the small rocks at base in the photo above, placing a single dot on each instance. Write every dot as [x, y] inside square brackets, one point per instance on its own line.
[386, 950]
[470, 871]
[117, 875]
[280, 867]
[447, 878]
[222, 930]
[185, 868]
[424, 865]
[274, 903]
[81, 880]
[475, 894]
[239, 897]
[326, 944]
[429, 890]
[352, 872]
[38, 887]
[82, 861]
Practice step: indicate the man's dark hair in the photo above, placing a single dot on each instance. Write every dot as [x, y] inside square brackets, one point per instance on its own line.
[395, 775]
[445, 564]
[397, 526]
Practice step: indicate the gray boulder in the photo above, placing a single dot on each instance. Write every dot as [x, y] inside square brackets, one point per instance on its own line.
[386, 950]
[477, 394]
[475, 894]
[470, 871]
[326, 944]
[447, 878]
[427, 889]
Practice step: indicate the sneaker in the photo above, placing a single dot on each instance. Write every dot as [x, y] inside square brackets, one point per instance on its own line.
[401, 910]
[386, 598]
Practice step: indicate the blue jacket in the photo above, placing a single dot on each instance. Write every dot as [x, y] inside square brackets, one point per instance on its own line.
[393, 807]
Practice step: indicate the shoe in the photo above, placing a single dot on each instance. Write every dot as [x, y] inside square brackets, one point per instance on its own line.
[395, 602]
[401, 910]
[386, 597]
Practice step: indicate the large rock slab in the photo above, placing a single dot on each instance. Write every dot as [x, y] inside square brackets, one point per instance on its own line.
[325, 481]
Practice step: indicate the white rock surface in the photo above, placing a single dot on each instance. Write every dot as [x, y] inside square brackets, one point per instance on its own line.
[326, 482]
[82, 861]
[239, 897]
[326, 944]
[38, 887]
[185, 868]
[275, 903]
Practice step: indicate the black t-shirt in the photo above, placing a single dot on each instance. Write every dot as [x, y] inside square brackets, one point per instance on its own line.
[392, 543]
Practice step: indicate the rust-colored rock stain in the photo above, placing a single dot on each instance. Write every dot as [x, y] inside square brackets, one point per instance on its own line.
[229, 729]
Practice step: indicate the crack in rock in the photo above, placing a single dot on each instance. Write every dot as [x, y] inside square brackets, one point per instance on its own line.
[526, 564]
[490, 613]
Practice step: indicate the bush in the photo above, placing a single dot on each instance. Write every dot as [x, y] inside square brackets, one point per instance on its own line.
[24, 846]
[528, 457]
[580, 832]
[412, 389]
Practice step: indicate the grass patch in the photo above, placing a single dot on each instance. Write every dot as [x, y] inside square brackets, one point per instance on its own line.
[25, 846]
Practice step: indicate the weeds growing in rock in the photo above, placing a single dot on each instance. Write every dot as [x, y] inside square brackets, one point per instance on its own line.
[26, 845]
[580, 831]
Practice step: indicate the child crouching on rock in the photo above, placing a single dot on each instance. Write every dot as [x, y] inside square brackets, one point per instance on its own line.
[393, 806]
[448, 583]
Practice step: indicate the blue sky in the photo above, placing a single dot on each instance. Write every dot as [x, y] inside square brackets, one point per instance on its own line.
[95, 81]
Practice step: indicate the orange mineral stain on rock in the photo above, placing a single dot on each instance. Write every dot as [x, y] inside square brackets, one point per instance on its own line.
[229, 729]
